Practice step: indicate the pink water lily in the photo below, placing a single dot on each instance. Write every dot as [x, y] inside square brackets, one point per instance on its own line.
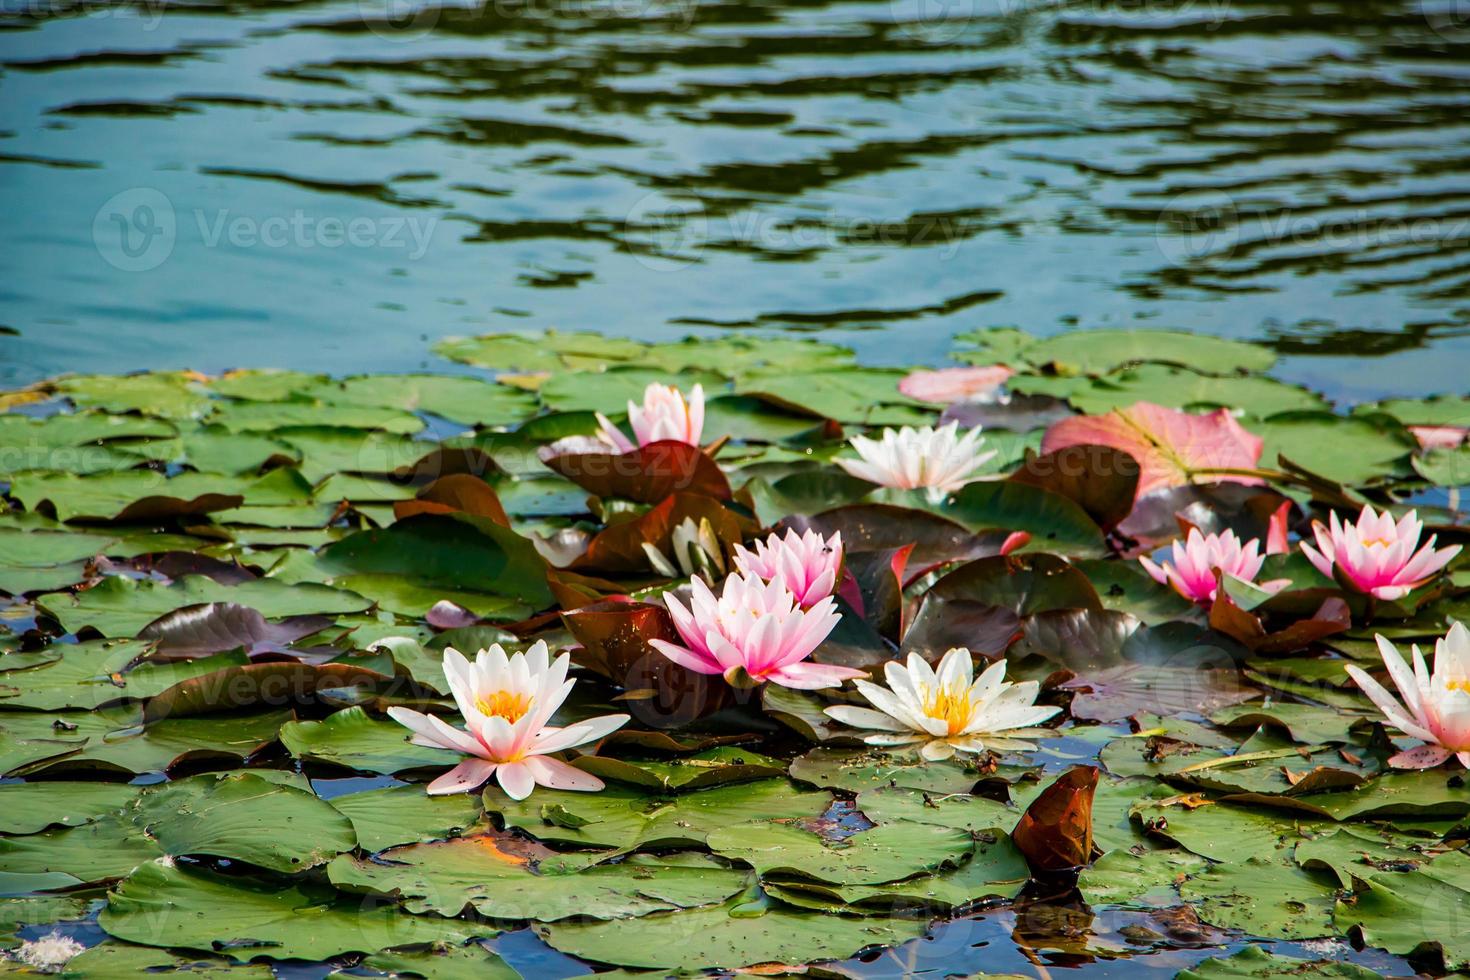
[753, 631]
[957, 384]
[806, 564]
[1376, 555]
[664, 415]
[1191, 573]
[506, 703]
[1436, 706]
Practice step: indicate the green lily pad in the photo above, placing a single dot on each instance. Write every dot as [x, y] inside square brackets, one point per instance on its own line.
[1173, 387]
[1264, 898]
[1349, 450]
[468, 401]
[244, 919]
[856, 770]
[356, 740]
[727, 938]
[245, 817]
[625, 817]
[442, 961]
[1416, 912]
[1099, 351]
[1254, 963]
[885, 853]
[103, 850]
[115, 739]
[1149, 879]
[384, 818]
[996, 870]
[27, 808]
[121, 607]
[712, 767]
[448, 876]
[113, 959]
[550, 350]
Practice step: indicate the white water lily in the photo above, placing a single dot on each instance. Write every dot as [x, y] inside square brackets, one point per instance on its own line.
[938, 460]
[506, 703]
[947, 711]
[49, 953]
[1436, 705]
[696, 551]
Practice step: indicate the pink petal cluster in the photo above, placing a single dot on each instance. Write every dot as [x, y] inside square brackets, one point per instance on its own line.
[663, 416]
[506, 703]
[1435, 706]
[755, 627]
[1439, 436]
[1376, 555]
[1191, 573]
[959, 384]
[807, 565]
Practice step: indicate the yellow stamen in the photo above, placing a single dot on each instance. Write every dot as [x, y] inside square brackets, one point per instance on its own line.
[1462, 686]
[505, 704]
[950, 707]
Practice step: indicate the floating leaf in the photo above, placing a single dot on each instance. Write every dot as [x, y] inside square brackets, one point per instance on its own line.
[647, 474]
[1172, 448]
[207, 628]
[1055, 832]
[244, 919]
[479, 872]
[1102, 480]
[726, 939]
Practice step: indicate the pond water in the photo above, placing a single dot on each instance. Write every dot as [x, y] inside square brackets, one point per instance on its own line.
[329, 185]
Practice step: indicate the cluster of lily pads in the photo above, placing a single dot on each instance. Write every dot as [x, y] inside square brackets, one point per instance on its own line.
[732, 653]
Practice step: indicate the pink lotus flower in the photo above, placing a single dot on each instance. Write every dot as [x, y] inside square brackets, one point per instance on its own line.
[1376, 555]
[664, 415]
[1435, 707]
[756, 629]
[806, 565]
[957, 384]
[1192, 572]
[506, 703]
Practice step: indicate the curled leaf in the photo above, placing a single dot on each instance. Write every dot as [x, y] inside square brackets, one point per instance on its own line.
[1055, 832]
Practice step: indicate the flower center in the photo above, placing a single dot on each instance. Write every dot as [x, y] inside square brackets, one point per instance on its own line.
[505, 704]
[950, 707]
[1461, 685]
[1376, 543]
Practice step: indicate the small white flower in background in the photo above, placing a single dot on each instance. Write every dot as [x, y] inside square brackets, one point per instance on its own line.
[1435, 707]
[938, 460]
[574, 446]
[49, 953]
[945, 710]
[696, 551]
[806, 564]
[506, 703]
[664, 415]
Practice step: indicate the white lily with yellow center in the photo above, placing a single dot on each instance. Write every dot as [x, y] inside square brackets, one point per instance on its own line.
[946, 710]
[506, 702]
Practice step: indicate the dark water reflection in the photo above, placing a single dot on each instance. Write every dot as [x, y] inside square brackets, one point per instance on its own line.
[211, 183]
